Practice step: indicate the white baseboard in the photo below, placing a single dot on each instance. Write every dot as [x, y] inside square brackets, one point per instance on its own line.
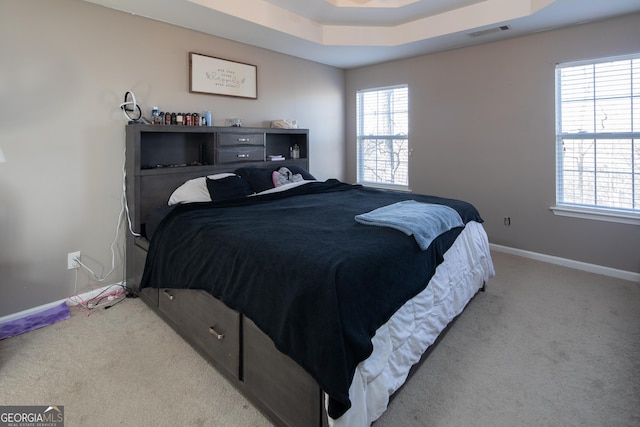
[578, 265]
[85, 297]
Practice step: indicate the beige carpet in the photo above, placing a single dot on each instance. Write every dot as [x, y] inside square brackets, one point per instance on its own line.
[544, 346]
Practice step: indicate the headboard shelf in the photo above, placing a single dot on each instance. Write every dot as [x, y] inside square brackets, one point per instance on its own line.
[160, 158]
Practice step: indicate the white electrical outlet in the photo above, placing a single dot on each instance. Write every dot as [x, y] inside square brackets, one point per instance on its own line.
[71, 260]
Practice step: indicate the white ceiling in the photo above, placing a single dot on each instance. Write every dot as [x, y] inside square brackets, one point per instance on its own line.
[352, 33]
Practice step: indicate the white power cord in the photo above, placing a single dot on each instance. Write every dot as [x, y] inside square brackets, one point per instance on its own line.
[113, 255]
[125, 205]
[123, 212]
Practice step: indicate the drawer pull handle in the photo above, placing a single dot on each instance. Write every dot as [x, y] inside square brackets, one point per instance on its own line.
[243, 140]
[243, 156]
[168, 294]
[216, 334]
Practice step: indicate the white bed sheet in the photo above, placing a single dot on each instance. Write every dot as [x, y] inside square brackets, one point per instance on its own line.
[399, 343]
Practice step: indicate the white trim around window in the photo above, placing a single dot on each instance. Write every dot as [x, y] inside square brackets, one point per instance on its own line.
[596, 214]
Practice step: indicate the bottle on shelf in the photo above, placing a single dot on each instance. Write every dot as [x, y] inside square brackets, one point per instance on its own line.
[154, 115]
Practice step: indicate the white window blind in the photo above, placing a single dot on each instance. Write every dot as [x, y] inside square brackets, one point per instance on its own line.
[383, 136]
[598, 135]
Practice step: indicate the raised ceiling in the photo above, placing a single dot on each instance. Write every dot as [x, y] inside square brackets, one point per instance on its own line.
[352, 33]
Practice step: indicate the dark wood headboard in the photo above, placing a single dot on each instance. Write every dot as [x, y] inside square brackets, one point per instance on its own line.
[160, 158]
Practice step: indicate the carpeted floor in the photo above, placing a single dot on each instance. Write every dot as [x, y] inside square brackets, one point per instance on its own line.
[543, 346]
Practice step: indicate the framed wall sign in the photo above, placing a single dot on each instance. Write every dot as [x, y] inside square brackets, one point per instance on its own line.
[216, 76]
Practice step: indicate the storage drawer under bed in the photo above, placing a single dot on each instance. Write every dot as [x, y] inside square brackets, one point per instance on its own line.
[281, 385]
[208, 323]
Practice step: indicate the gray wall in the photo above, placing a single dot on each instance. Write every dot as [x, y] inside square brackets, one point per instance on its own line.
[482, 129]
[65, 66]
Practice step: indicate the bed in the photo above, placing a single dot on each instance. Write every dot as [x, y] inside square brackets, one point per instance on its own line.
[340, 309]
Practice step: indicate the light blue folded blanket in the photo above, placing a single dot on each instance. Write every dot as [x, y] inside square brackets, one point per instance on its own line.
[425, 221]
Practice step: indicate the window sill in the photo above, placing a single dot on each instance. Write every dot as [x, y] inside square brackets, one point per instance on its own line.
[385, 186]
[596, 214]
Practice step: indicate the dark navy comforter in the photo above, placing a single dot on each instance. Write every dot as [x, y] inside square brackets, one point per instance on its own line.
[299, 265]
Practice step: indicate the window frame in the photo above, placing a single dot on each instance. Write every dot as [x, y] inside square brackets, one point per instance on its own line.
[588, 211]
[361, 138]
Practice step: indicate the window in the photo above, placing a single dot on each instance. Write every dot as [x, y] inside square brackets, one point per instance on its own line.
[383, 136]
[598, 137]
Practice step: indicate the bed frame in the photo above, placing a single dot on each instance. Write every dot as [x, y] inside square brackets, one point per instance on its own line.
[231, 342]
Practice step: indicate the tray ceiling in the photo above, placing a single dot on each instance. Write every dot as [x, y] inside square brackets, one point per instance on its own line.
[352, 33]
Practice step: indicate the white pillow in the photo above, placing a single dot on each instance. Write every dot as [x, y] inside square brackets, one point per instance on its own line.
[194, 190]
